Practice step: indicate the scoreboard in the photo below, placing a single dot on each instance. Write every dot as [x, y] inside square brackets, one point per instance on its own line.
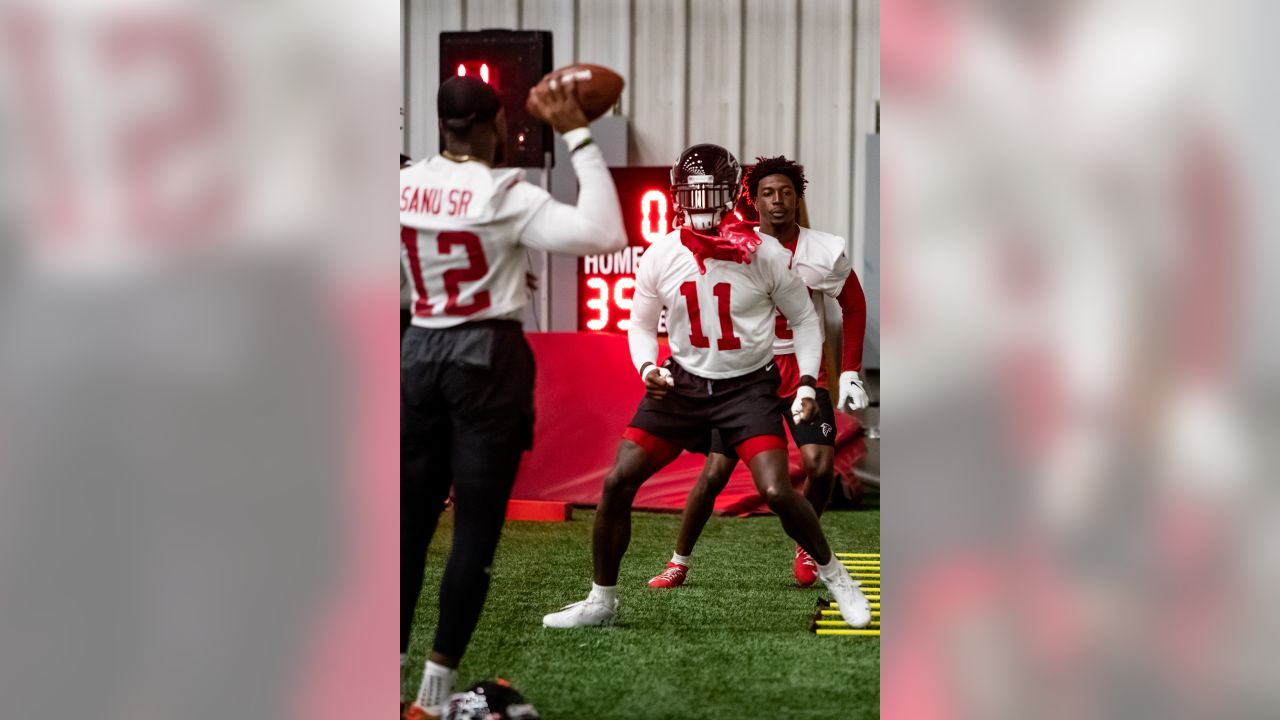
[606, 282]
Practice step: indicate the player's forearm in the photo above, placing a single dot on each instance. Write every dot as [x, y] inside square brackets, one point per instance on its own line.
[597, 197]
[853, 307]
[594, 225]
[808, 342]
[644, 346]
[642, 337]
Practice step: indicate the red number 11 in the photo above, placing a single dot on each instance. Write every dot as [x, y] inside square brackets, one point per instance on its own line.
[727, 341]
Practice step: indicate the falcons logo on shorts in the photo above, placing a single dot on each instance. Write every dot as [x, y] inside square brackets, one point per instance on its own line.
[827, 429]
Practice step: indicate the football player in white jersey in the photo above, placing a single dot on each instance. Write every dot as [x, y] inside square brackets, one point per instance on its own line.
[775, 186]
[720, 282]
[466, 371]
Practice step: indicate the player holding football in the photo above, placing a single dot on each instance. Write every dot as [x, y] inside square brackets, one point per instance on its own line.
[775, 186]
[466, 371]
[720, 282]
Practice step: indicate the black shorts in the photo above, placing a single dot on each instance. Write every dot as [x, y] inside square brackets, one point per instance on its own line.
[822, 431]
[469, 388]
[739, 408]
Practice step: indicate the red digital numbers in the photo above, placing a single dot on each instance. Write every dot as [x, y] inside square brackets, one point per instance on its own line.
[481, 69]
[653, 215]
[606, 283]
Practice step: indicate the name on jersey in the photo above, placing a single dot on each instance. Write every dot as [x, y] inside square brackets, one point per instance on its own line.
[431, 200]
[623, 262]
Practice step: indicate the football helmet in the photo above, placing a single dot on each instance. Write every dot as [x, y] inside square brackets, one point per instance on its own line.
[705, 183]
[489, 701]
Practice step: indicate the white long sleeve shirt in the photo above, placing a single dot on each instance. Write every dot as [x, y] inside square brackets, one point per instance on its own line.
[721, 324]
[464, 227]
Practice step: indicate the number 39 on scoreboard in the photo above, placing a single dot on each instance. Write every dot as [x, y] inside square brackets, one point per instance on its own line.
[607, 282]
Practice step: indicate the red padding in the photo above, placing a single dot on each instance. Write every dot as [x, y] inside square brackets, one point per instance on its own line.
[753, 446]
[576, 444]
[659, 450]
[539, 511]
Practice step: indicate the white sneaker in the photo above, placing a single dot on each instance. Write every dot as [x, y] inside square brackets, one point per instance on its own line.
[587, 613]
[850, 600]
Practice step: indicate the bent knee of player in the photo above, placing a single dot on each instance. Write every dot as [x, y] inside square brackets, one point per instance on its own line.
[775, 493]
[620, 483]
[715, 476]
[819, 468]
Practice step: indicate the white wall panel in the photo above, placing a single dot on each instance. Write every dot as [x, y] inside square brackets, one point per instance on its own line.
[604, 38]
[770, 88]
[426, 20]
[556, 16]
[761, 77]
[492, 14]
[825, 145]
[715, 73]
[659, 80]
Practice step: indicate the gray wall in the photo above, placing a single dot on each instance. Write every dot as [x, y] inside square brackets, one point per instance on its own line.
[756, 76]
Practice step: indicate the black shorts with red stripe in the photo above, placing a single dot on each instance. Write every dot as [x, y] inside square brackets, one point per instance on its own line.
[822, 431]
[739, 408]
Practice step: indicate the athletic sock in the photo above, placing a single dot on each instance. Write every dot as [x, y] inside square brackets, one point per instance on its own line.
[680, 559]
[603, 594]
[437, 685]
[831, 570]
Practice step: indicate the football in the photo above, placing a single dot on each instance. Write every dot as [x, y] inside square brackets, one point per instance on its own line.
[598, 88]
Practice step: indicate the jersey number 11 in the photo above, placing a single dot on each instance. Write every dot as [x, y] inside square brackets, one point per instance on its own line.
[727, 341]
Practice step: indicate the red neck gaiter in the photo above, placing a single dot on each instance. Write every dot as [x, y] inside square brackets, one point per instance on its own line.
[735, 241]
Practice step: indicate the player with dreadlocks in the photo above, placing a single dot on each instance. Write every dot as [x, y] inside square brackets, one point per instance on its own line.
[722, 283]
[775, 186]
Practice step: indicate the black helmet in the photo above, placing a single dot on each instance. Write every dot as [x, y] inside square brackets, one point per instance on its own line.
[705, 183]
[489, 701]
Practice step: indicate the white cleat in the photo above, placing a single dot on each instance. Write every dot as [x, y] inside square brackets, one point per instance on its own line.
[587, 613]
[849, 599]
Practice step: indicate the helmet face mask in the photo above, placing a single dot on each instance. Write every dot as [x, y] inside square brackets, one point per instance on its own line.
[705, 184]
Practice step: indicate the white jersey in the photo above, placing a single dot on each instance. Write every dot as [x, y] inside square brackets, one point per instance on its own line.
[464, 228]
[823, 266]
[721, 324]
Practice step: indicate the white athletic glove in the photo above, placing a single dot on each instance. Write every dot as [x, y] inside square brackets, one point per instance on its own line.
[852, 395]
[657, 384]
[665, 374]
[797, 407]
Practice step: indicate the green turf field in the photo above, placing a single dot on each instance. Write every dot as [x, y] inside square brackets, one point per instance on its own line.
[732, 643]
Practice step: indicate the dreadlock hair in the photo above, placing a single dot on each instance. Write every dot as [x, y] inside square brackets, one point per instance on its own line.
[766, 166]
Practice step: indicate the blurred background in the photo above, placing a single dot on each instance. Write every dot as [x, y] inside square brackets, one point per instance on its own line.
[1079, 240]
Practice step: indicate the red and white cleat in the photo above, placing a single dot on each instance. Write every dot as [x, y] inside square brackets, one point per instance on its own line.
[416, 712]
[672, 577]
[805, 569]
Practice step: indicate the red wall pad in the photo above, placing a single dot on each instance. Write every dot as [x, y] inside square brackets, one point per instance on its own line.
[586, 393]
[539, 511]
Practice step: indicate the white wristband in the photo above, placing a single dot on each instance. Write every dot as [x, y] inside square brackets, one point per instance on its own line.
[804, 391]
[576, 136]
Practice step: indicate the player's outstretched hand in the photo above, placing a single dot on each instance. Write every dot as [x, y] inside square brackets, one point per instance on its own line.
[658, 381]
[805, 407]
[853, 396]
[556, 103]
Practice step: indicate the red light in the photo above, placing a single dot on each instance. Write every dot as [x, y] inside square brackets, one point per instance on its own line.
[484, 72]
[653, 215]
[462, 70]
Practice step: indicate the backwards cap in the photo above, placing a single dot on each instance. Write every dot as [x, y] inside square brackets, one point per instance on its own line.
[466, 99]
